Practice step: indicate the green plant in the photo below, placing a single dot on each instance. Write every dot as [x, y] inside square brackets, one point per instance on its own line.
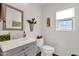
[4, 37]
[32, 21]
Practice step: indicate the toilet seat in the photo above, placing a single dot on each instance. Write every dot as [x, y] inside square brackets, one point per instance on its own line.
[46, 47]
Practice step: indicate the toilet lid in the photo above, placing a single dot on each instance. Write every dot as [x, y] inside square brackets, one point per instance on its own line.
[47, 47]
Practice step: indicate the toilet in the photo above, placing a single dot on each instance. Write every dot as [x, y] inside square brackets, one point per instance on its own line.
[46, 50]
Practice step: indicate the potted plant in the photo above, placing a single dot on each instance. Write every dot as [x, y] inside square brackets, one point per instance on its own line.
[31, 23]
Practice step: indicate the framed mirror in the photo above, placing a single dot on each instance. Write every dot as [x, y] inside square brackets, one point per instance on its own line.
[13, 18]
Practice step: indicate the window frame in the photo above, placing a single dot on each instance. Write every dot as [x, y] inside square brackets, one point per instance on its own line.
[66, 19]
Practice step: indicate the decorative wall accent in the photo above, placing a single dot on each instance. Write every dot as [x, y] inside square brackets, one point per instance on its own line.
[13, 19]
[16, 23]
[24, 34]
[48, 21]
[32, 23]
[0, 10]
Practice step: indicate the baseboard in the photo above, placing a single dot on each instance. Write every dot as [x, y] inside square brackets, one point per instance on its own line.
[39, 54]
[74, 55]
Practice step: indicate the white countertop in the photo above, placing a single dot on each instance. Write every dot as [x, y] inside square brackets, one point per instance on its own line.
[7, 45]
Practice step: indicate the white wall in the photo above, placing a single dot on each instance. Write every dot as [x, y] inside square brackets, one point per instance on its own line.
[30, 11]
[65, 43]
[33, 10]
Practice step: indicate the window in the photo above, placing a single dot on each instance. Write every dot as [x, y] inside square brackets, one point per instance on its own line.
[65, 20]
[65, 24]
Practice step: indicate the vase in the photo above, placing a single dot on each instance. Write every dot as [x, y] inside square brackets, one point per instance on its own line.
[31, 27]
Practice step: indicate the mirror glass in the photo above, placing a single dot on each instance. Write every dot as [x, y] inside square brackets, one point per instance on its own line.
[13, 18]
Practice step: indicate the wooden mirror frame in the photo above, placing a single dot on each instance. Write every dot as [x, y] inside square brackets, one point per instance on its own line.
[4, 21]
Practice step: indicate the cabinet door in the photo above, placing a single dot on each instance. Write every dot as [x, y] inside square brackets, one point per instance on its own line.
[32, 51]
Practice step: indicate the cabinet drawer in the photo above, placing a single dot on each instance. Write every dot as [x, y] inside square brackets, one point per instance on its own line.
[14, 51]
[29, 45]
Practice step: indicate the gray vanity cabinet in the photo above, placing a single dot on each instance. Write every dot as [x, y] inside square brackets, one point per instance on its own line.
[24, 50]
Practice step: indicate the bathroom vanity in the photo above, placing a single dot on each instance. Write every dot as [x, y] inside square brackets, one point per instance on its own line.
[18, 47]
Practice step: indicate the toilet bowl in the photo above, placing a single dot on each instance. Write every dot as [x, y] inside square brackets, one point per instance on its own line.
[46, 50]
